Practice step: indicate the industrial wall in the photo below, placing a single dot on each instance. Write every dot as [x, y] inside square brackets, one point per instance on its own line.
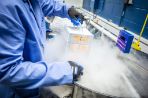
[126, 13]
[76, 3]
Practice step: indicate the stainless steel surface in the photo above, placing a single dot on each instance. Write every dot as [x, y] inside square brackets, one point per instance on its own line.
[139, 69]
[62, 91]
[138, 79]
[136, 63]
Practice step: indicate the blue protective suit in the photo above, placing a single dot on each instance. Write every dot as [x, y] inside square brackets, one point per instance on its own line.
[22, 35]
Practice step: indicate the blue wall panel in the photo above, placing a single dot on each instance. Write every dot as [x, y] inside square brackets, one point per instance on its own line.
[86, 4]
[133, 18]
[112, 10]
[142, 4]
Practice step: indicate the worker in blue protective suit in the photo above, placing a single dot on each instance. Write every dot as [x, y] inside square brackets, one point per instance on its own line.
[23, 69]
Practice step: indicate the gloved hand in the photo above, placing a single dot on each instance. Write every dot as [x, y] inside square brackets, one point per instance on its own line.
[76, 17]
[77, 70]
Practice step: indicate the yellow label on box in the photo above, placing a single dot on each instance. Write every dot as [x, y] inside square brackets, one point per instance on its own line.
[83, 47]
[74, 47]
[85, 39]
[78, 48]
[80, 39]
[76, 38]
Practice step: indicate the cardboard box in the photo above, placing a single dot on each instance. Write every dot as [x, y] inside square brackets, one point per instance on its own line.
[78, 39]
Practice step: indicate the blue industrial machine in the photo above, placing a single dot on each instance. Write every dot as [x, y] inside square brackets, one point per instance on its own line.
[124, 41]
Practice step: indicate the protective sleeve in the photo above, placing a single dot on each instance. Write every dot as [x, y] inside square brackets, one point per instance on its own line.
[54, 8]
[17, 73]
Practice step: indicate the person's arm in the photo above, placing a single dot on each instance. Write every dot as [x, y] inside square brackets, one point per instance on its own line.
[15, 72]
[54, 8]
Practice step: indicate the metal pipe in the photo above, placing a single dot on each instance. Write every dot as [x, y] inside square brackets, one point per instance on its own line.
[107, 33]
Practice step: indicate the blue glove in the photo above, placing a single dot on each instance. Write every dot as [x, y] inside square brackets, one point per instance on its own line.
[76, 22]
[77, 70]
[75, 17]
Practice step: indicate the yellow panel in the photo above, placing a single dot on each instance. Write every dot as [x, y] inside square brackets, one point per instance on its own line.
[79, 48]
[85, 39]
[80, 39]
[76, 38]
[74, 47]
[84, 48]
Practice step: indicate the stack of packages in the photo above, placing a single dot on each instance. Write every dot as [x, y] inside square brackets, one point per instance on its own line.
[78, 39]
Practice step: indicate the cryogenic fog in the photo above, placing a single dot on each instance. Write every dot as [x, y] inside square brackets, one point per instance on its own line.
[104, 71]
